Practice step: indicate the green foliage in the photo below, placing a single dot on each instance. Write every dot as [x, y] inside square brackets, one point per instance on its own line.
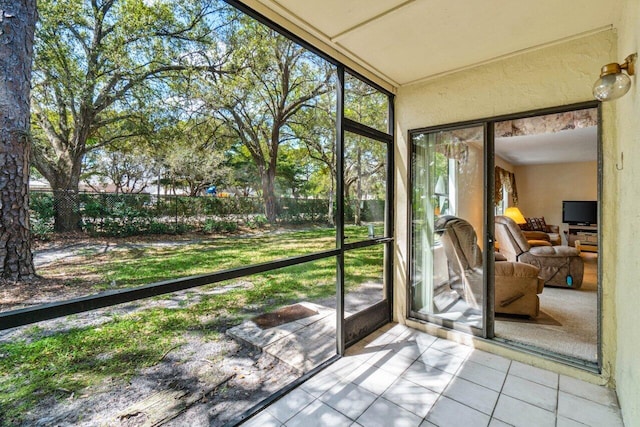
[67, 362]
[41, 215]
[121, 215]
[212, 226]
[258, 221]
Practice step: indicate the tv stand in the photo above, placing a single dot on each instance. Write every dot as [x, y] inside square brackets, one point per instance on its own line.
[586, 235]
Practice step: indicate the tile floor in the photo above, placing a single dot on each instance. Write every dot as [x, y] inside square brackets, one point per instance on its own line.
[398, 376]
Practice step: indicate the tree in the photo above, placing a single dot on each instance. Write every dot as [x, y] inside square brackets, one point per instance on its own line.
[17, 23]
[278, 80]
[316, 128]
[365, 159]
[129, 171]
[100, 69]
[195, 156]
[244, 178]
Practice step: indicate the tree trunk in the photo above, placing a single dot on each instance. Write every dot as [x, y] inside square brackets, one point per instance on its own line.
[269, 195]
[66, 205]
[330, 213]
[358, 205]
[17, 25]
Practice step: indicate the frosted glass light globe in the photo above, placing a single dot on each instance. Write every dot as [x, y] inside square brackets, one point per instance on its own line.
[611, 86]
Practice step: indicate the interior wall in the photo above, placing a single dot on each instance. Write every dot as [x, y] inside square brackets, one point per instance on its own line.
[542, 188]
[557, 75]
[624, 195]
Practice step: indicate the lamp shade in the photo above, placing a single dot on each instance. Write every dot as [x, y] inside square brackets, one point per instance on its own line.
[515, 214]
[440, 188]
[611, 86]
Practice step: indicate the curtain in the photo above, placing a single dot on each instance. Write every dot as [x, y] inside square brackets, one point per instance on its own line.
[507, 180]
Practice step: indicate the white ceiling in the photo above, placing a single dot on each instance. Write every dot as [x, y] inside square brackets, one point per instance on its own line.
[567, 146]
[405, 41]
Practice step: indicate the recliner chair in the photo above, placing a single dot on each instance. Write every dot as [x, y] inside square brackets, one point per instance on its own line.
[559, 265]
[517, 285]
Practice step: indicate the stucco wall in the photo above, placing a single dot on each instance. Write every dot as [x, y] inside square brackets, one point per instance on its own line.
[542, 188]
[625, 238]
[557, 75]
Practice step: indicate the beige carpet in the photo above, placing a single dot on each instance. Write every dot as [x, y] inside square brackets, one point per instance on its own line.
[574, 332]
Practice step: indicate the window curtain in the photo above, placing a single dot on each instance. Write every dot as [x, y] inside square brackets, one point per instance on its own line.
[507, 180]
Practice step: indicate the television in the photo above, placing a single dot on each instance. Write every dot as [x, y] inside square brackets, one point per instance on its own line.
[583, 212]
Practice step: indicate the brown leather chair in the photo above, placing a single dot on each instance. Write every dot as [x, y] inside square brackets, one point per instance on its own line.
[517, 285]
[559, 265]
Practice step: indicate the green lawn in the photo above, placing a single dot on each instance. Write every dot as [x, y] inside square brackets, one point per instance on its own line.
[69, 361]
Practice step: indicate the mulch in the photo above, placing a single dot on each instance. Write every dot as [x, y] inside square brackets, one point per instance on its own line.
[283, 315]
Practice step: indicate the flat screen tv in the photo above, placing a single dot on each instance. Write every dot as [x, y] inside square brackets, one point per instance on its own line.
[580, 212]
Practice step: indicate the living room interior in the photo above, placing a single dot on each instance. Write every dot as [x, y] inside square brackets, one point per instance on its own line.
[554, 159]
[546, 303]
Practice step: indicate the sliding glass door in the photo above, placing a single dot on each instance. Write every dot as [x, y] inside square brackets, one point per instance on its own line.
[448, 227]
[496, 249]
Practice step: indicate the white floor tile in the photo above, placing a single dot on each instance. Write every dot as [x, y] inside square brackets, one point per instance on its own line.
[263, 419]
[384, 414]
[530, 392]
[472, 395]
[587, 412]
[566, 422]
[497, 423]
[441, 360]
[448, 384]
[398, 329]
[393, 362]
[290, 404]
[349, 399]
[422, 339]
[451, 347]
[318, 414]
[320, 383]
[372, 378]
[344, 366]
[596, 393]
[407, 348]
[519, 413]
[427, 376]
[490, 360]
[411, 396]
[449, 413]
[482, 375]
[537, 375]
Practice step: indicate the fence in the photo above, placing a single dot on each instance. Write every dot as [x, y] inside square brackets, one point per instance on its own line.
[132, 214]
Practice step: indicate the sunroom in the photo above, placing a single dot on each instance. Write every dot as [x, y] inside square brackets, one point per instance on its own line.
[463, 101]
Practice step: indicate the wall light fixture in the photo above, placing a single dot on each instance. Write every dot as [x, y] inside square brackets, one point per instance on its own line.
[613, 83]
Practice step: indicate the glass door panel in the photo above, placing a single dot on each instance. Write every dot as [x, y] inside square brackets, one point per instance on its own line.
[448, 225]
[365, 188]
[367, 236]
[364, 278]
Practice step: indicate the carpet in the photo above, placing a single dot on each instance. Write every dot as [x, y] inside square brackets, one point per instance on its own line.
[283, 315]
[542, 319]
[574, 310]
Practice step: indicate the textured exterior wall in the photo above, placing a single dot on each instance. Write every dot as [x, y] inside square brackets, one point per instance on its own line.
[625, 248]
[557, 75]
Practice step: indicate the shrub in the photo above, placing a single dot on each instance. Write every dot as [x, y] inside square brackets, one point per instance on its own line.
[213, 226]
[258, 221]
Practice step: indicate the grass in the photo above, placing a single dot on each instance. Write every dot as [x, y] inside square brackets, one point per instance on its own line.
[68, 362]
[124, 268]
